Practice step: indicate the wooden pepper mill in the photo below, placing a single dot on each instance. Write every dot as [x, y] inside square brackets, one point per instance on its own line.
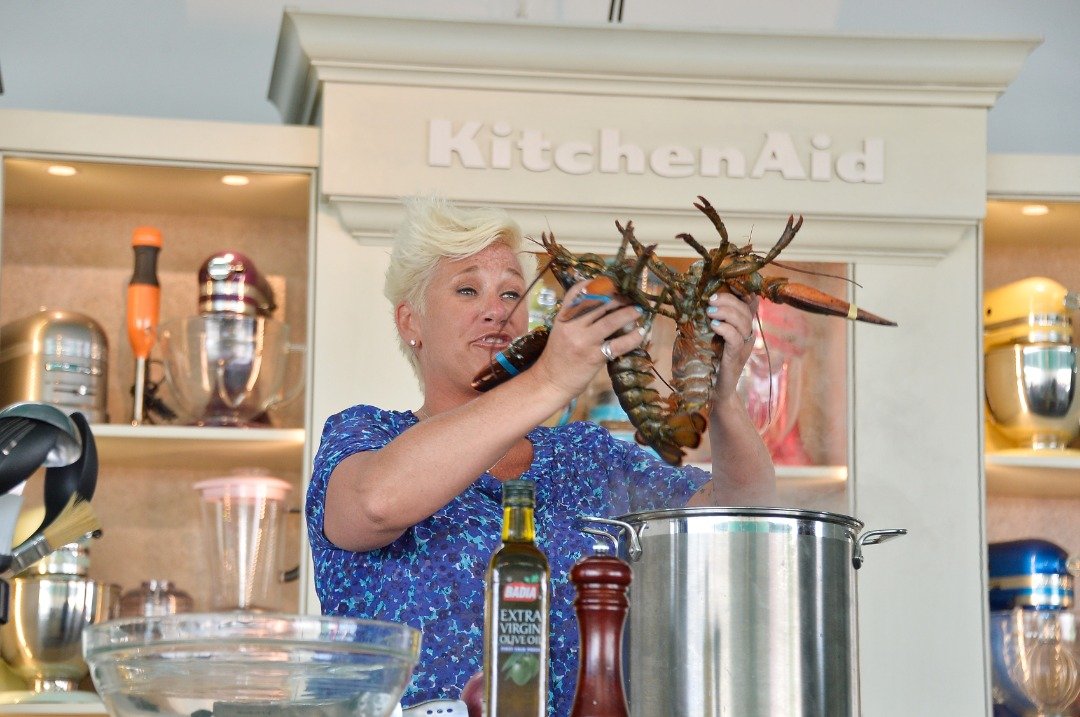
[601, 581]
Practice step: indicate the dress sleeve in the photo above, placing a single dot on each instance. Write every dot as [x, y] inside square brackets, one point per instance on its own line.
[356, 429]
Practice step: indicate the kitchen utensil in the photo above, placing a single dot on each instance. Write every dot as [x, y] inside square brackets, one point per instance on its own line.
[600, 581]
[241, 522]
[31, 435]
[57, 357]
[143, 308]
[742, 611]
[229, 282]
[76, 479]
[226, 369]
[69, 559]
[1029, 573]
[155, 597]
[1036, 661]
[242, 663]
[1031, 394]
[76, 521]
[41, 641]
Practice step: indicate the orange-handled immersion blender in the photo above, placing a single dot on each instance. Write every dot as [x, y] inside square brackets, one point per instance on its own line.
[143, 308]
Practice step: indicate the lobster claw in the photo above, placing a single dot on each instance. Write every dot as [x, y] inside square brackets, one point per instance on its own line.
[525, 350]
[807, 298]
[515, 358]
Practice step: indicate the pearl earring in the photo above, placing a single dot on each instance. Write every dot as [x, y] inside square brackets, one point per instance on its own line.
[412, 342]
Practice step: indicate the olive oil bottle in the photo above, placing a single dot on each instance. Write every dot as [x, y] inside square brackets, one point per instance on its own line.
[516, 613]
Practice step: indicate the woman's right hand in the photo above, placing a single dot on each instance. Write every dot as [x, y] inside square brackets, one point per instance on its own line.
[573, 353]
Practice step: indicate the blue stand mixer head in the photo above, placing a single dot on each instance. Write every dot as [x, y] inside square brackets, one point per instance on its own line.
[1029, 573]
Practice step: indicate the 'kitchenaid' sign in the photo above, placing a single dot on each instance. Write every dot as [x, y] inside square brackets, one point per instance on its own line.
[474, 145]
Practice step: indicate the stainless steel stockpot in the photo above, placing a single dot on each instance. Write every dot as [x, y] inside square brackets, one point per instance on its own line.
[742, 611]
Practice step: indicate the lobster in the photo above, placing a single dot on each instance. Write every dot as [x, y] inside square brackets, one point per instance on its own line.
[672, 424]
[697, 349]
[658, 422]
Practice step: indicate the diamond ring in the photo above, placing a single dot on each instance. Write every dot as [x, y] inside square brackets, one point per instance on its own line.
[605, 348]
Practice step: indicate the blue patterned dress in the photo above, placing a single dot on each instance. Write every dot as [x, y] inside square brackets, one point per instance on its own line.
[432, 577]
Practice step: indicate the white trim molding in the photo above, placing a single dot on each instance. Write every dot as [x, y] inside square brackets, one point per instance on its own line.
[315, 48]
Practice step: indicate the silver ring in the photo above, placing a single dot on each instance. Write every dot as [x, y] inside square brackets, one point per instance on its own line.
[747, 339]
[605, 348]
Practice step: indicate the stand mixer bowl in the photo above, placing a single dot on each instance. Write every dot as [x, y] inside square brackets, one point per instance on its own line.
[42, 639]
[1035, 661]
[1031, 393]
[227, 369]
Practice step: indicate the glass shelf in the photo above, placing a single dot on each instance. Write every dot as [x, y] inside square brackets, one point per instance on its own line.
[279, 450]
[803, 475]
[1034, 474]
[74, 704]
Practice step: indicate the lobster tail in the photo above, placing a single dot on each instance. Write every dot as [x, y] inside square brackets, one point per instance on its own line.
[677, 432]
[807, 298]
[658, 425]
[686, 429]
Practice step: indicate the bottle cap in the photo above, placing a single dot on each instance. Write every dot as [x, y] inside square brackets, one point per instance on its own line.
[519, 493]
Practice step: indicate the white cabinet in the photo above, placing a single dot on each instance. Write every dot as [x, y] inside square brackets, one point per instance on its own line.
[1034, 494]
[65, 242]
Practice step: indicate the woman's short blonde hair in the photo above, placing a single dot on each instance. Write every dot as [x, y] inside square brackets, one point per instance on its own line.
[434, 229]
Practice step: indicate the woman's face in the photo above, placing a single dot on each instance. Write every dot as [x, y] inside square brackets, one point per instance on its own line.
[473, 311]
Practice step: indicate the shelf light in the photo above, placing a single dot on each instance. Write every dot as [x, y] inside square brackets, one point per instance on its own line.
[1034, 210]
[235, 180]
[62, 170]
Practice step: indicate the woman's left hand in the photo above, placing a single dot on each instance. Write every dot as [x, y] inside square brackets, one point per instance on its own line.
[732, 319]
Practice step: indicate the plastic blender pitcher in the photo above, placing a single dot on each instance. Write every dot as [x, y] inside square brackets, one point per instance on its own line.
[242, 520]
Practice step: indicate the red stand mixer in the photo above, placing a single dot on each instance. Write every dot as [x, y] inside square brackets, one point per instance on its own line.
[228, 364]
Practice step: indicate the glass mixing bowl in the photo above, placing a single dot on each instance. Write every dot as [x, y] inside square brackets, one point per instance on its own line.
[228, 369]
[245, 663]
[1036, 661]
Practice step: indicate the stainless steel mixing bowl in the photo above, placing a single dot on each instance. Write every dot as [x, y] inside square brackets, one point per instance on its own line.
[1031, 394]
[42, 640]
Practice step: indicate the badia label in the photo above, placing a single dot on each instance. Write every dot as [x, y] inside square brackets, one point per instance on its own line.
[520, 632]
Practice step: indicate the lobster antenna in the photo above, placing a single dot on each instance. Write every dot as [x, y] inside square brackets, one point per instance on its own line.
[529, 288]
[810, 272]
[662, 379]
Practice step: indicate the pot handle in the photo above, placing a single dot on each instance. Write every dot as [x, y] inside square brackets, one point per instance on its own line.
[633, 552]
[873, 537]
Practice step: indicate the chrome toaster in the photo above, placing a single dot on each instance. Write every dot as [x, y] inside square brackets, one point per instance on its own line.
[58, 357]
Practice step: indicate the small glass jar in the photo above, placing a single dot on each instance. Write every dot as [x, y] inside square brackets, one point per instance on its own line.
[155, 597]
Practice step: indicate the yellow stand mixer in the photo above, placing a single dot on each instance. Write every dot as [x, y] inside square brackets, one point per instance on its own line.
[1031, 364]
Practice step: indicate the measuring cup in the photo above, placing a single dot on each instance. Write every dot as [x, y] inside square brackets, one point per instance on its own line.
[242, 520]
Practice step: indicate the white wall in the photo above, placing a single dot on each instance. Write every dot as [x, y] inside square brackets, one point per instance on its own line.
[207, 59]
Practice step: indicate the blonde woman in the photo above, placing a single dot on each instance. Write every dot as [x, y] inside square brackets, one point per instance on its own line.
[404, 507]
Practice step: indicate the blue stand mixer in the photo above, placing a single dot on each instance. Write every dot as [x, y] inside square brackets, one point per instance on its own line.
[1033, 633]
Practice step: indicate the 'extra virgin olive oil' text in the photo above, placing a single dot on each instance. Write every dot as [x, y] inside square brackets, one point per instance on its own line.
[516, 614]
